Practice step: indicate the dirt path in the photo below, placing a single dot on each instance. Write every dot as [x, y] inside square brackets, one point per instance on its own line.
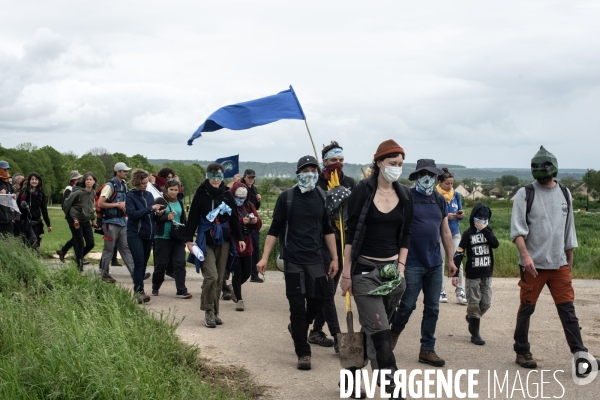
[258, 339]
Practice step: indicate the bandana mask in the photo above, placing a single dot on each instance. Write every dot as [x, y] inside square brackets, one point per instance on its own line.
[425, 185]
[391, 174]
[307, 181]
[214, 176]
[239, 202]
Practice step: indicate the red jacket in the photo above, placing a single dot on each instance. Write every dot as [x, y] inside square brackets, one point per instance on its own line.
[243, 211]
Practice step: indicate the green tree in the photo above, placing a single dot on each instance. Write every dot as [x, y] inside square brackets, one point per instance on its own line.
[57, 172]
[108, 160]
[508, 180]
[593, 181]
[89, 162]
[139, 161]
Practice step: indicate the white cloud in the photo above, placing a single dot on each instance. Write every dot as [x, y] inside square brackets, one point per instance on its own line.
[462, 82]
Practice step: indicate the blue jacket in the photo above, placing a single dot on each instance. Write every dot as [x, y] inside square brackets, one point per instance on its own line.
[140, 216]
[453, 207]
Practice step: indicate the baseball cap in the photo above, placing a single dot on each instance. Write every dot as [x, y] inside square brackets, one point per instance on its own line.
[250, 173]
[4, 164]
[120, 166]
[306, 160]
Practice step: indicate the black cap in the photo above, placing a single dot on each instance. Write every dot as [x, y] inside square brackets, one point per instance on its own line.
[250, 173]
[306, 160]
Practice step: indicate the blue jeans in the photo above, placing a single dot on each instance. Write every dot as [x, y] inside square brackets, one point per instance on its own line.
[430, 281]
[140, 252]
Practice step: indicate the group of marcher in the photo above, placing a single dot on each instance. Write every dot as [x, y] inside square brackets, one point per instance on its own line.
[396, 239]
[387, 246]
[31, 201]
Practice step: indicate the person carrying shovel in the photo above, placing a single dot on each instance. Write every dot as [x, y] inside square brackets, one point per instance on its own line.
[380, 214]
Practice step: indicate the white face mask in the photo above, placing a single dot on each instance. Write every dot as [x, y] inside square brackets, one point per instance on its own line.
[389, 173]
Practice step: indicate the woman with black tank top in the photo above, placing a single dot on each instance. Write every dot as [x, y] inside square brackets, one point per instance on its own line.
[379, 219]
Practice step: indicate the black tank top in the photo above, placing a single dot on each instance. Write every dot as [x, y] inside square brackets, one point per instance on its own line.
[381, 235]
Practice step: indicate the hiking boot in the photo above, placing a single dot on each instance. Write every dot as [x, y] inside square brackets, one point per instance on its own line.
[143, 298]
[209, 319]
[185, 295]
[225, 295]
[320, 338]
[256, 279]
[395, 335]
[109, 279]
[115, 263]
[154, 292]
[61, 255]
[218, 320]
[474, 330]
[336, 346]
[233, 297]
[85, 261]
[304, 363]
[526, 360]
[460, 298]
[147, 275]
[431, 358]
[240, 305]
[443, 297]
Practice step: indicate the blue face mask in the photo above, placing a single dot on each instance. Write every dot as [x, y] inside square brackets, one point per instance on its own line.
[425, 184]
[239, 202]
[483, 222]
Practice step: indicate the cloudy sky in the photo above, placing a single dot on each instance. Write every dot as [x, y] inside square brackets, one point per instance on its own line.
[478, 83]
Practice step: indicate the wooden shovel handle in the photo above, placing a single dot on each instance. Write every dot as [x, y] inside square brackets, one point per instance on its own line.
[348, 303]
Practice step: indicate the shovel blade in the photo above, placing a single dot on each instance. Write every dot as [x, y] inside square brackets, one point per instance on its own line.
[351, 346]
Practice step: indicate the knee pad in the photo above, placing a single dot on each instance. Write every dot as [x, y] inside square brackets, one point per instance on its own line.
[382, 340]
[525, 310]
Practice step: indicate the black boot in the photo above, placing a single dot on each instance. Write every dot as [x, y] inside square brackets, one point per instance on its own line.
[353, 394]
[382, 340]
[474, 330]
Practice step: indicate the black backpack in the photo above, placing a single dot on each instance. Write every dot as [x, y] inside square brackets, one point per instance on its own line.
[530, 195]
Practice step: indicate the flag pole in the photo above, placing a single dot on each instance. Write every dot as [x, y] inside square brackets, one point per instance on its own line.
[311, 140]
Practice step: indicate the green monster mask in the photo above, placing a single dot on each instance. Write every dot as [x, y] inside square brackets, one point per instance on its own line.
[544, 164]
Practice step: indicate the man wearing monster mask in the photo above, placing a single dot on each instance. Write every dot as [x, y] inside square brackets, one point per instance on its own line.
[543, 230]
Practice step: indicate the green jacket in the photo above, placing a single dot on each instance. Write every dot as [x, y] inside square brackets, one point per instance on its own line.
[80, 204]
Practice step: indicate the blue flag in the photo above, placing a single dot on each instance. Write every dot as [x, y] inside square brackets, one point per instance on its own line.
[231, 165]
[283, 105]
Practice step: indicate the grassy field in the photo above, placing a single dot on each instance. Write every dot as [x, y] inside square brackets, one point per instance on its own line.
[68, 336]
[587, 256]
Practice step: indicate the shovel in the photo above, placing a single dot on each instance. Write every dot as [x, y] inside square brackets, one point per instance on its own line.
[351, 344]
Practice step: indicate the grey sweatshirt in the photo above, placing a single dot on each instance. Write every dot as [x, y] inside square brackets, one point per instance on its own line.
[546, 237]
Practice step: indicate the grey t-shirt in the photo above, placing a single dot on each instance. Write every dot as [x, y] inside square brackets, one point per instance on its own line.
[546, 237]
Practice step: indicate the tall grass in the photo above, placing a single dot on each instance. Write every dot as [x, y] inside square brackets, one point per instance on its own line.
[67, 336]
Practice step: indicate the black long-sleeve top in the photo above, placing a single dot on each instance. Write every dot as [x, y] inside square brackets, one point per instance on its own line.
[207, 199]
[37, 204]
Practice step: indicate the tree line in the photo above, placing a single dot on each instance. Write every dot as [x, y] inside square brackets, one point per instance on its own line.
[55, 167]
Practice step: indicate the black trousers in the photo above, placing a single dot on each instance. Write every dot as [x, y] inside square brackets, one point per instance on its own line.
[241, 273]
[7, 229]
[256, 253]
[328, 313]
[79, 235]
[305, 288]
[70, 243]
[168, 252]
